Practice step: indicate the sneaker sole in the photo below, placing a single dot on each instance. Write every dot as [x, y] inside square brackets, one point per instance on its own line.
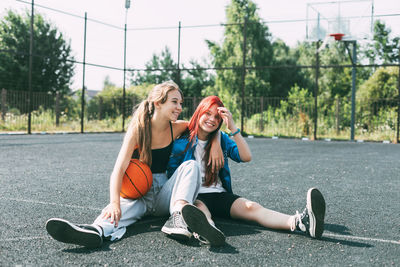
[64, 231]
[316, 210]
[197, 221]
[178, 235]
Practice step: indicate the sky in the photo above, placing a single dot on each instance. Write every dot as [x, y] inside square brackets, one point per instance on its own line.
[105, 43]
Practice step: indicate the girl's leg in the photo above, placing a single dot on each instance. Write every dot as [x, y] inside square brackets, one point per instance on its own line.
[198, 219]
[200, 204]
[91, 235]
[310, 221]
[180, 189]
[131, 212]
[252, 211]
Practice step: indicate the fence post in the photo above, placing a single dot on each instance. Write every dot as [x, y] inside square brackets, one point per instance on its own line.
[3, 104]
[316, 93]
[398, 104]
[262, 114]
[83, 77]
[124, 86]
[194, 105]
[100, 108]
[30, 69]
[57, 109]
[179, 57]
[243, 71]
[353, 90]
[337, 116]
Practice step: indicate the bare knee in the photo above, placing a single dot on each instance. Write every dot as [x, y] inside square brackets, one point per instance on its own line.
[251, 206]
[245, 209]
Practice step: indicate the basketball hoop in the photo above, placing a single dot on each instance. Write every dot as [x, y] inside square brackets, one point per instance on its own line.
[337, 36]
[328, 39]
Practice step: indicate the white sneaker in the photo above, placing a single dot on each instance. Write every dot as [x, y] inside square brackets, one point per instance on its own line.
[176, 228]
[311, 220]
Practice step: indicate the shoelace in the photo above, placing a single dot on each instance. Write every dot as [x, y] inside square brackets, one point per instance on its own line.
[200, 238]
[178, 220]
[297, 221]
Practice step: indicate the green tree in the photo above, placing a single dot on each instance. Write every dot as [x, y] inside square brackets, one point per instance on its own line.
[305, 55]
[284, 78]
[108, 102]
[384, 49]
[381, 85]
[52, 69]
[196, 79]
[377, 105]
[159, 69]
[333, 81]
[229, 54]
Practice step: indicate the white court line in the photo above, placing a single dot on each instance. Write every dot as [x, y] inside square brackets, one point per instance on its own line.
[331, 235]
[17, 239]
[50, 203]
[364, 238]
[55, 204]
[97, 209]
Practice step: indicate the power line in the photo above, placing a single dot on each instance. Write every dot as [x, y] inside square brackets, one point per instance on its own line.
[196, 26]
[72, 15]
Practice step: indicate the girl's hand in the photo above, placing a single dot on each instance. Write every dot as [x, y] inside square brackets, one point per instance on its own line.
[113, 211]
[216, 158]
[227, 118]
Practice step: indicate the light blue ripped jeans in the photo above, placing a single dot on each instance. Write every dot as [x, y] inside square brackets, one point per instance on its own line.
[184, 184]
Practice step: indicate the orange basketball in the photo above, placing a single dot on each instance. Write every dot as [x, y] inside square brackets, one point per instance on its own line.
[137, 180]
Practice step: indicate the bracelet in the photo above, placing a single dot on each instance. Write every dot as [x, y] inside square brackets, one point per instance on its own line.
[235, 133]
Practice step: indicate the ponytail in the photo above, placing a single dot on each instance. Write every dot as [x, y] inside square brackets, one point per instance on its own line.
[141, 119]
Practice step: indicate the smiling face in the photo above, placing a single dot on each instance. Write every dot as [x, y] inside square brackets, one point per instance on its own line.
[172, 107]
[208, 122]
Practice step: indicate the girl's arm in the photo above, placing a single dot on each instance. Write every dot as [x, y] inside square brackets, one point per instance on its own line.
[113, 211]
[178, 127]
[244, 150]
[216, 154]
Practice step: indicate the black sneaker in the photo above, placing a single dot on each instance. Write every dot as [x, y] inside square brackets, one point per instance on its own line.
[311, 220]
[176, 228]
[197, 222]
[66, 232]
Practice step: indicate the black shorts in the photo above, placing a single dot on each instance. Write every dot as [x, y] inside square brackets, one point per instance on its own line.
[219, 204]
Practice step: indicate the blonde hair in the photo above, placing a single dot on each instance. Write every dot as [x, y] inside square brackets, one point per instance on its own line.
[141, 119]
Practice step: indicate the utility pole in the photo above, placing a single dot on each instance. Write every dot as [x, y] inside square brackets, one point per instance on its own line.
[127, 6]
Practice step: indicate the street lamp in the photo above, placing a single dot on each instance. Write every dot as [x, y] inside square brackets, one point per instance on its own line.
[127, 6]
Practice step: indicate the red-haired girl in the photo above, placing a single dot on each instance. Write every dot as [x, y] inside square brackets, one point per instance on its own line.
[216, 198]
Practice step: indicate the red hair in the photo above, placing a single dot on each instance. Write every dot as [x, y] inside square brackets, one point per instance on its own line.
[193, 128]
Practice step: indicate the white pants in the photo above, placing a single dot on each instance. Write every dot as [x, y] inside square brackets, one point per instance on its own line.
[184, 184]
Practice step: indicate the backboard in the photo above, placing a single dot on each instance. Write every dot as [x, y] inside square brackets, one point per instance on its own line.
[352, 18]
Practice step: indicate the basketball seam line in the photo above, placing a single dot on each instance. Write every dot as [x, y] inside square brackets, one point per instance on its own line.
[133, 182]
[147, 180]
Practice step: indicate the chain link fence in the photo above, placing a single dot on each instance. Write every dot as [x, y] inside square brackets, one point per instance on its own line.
[376, 119]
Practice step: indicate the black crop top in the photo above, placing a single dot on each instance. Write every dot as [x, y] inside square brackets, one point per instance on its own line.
[160, 156]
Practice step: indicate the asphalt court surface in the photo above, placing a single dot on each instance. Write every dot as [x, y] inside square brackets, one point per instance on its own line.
[67, 176]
